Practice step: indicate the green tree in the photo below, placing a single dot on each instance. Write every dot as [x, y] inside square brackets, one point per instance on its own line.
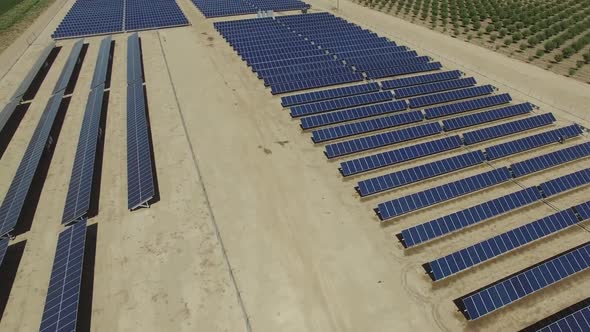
[523, 46]
[490, 28]
[558, 57]
[540, 53]
[507, 41]
[567, 52]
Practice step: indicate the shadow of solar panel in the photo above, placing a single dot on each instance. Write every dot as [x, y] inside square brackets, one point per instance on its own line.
[465, 106]
[434, 87]
[565, 183]
[498, 245]
[508, 128]
[146, 14]
[66, 73]
[418, 173]
[80, 187]
[140, 177]
[102, 62]
[474, 215]
[366, 126]
[336, 104]
[397, 156]
[375, 63]
[420, 79]
[379, 140]
[91, 17]
[61, 304]
[396, 71]
[306, 67]
[310, 97]
[426, 198]
[523, 283]
[306, 75]
[7, 112]
[3, 248]
[351, 114]
[549, 160]
[316, 83]
[14, 200]
[134, 70]
[532, 142]
[487, 116]
[444, 97]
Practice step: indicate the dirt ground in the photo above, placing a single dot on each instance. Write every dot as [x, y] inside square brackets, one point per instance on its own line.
[254, 229]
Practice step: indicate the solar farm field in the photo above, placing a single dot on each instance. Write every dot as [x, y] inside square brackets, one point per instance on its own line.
[306, 170]
[553, 35]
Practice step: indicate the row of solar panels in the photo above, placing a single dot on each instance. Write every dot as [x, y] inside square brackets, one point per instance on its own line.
[211, 8]
[87, 18]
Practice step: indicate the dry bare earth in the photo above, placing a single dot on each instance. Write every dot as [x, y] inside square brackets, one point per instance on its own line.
[306, 253]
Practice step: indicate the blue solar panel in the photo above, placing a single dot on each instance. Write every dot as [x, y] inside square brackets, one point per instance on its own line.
[68, 69]
[294, 57]
[61, 304]
[80, 187]
[345, 102]
[418, 173]
[444, 97]
[531, 142]
[571, 319]
[140, 178]
[311, 97]
[397, 156]
[375, 62]
[308, 49]
[486, 250]
[426, 198]
[397, 71]
[523, 283]
[134, 70]
[316, 83]
[305, 76]
[147, 14]
[565, 183]
[294, 45]
[102, 62]
[508, 128]
[324, 119]
[487, 116]
[91, 17]
[274, 63]
[433, 87]
[348, 48]
[242, 7]
[583, 210]
[453, 222]
[305, 67]
[379, 140]
[465, 106]
[3, 248]
[550, 160]
[401, 51]
[366, 126]
[420, 79]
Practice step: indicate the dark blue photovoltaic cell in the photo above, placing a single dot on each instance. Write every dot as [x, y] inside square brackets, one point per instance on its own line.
[147, 14]
[433, 87]
[531, 142]
[486, 250]
[301, 68]
[423, 199]
[3, 248]
[566, 182]
[379, 140]
[508, 128]
[419, 173]
[102, 62]
[466, 106]
[366, 126]
[416, 235]
[61, 304]
[316, 83]
[352, 114]
[247, 54]
[219, 8]
[523, 283]
[373, 63]
[487, 116]
[578, 320]
[398, 51]
[550, 160]
[444, 97]
[289, 62]
[420, 79]
[583, 210]
[393, 157]
[315, 96]
[91, 17]
[68, 69]
[397, 71]
[134, 70]
[305, 76]
[335, 104]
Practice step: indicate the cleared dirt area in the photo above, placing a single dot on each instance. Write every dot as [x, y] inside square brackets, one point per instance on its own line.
[299, 251]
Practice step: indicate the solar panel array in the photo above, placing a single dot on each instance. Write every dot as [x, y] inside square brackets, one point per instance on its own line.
[96, 17]
[3, 248]
[571, 319]
[211, 8]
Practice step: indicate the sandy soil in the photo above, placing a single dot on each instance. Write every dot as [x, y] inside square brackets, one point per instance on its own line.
[305, 253]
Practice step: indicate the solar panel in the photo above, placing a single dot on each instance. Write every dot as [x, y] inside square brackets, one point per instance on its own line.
[465, 106]
[379, 61]
[335, 104]
[19, 187]
[420, 79]
[397, 71]
[277, 63]
[444, 97]
[7, 112]
[80, 187]
[550, 160]
[571, 319]
[426, 198]
[63, 294]
[379, 140]
[523, 283]
[531, 142]
[102, 62]
[398, 50]
[3, 248]
[306, 75]
[487, 116]
[87, 18]
[433, 87]
[134, 70]
[415, 174]
[140, 178]
[453, 222]
[310, 97]
[295, 45]
[501, 244]
[366, 126]
[316, 83]
[301, 68]
[397, 156]
[294, 52]
[566, 182]
[324, 119]
[270, 57]
[66, 73]
[147, 14]
[26, 82]
[508, 128]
